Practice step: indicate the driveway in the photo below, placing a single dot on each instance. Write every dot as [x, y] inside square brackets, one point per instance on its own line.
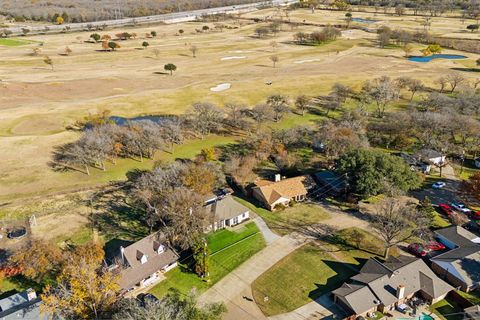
[321, 308]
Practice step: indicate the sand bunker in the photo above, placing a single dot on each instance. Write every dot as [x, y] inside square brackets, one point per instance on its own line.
[306, 61]
[221, 87]
[233, 57]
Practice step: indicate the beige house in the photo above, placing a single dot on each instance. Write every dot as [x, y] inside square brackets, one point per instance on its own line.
[281, 192]
[223, 212]
[144, 262]
[385, 286]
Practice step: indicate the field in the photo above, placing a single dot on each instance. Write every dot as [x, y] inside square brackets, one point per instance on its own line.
[38, 104]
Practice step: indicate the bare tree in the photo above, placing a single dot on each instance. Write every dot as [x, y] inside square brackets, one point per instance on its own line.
[47, 60]
[396, 221]
[279, 104]
[193, 50]
[274, 60]
[383, 91]
[207, 118]
[301, 103]
[454, 79]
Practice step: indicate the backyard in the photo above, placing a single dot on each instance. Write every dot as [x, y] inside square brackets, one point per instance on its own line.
[229, 249]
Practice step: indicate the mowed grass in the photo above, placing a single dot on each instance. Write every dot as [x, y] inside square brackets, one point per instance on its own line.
[285, 221]
[302, 276]
[12, 42]
[244, 242]
[447, 309]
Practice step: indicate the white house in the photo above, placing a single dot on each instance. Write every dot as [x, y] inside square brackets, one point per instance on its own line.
[431, 156]
[224, 211]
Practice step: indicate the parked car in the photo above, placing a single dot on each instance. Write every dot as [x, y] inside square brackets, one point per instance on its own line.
[417, 250]
[460, 207]
[435, 246]
[147, 298]
[472, 226]
[438, 185]
[474, 215]
[446, 209]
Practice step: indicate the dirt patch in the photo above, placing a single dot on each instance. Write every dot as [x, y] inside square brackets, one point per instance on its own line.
[52, 227]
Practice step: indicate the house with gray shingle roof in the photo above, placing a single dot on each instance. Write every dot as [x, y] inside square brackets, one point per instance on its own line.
[460, 266]
[224, 211]
[382, 286]
[143, 262]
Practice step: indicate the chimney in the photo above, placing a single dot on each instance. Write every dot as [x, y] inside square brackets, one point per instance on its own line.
[278, 177]
[31, 294]
[400, 292]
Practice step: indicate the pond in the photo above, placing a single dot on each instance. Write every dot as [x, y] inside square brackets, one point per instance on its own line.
[361, 20]
[436, 56]
[121, 121]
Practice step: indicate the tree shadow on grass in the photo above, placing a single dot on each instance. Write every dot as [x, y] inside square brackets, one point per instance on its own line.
[115, 218]
[466, 69]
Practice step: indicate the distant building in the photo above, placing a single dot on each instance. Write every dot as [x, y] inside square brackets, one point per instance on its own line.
[460, 266]
[23, 305]
[281, 192]
[477, 162]
[330, 182]
[415, 163]
[431, 156]
[385, 286]
[144, 262]
[224, 211]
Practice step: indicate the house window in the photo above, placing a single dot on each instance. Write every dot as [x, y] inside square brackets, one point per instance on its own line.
[235, 220]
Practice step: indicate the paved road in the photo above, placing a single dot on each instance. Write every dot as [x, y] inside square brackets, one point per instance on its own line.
[166, 18]
[447, 194]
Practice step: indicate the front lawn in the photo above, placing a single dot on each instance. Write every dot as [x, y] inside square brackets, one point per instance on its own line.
[360, 239]
[302, 276]
[240, 245]
[284, 221]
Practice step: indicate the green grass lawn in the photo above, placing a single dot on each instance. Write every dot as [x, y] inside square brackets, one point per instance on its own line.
[246, 242]
[12, 42]
[447, 307]
[360, 239]
[283, 221]
[302, 276]
[439, 221]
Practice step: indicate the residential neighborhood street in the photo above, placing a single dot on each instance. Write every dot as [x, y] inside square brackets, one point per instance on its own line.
[446, 194]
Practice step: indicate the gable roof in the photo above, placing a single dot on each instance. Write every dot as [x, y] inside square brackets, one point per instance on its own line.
[383, 278]
[135, 271]
[224, 208]
[465, 258]
[286, 188]
[358, 297]
[427, 154]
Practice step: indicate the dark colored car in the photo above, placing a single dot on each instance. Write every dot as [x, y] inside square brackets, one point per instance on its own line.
[446, 209]
[147, 298]
[435, 246]
[417, 249]
[474, 215]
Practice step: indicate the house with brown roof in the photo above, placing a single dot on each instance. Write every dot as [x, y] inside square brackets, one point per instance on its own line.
[144, 262]
[385, 286]
[281, 192]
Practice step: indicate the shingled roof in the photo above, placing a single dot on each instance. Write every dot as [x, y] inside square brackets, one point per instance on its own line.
[286, 188]
[154, 259]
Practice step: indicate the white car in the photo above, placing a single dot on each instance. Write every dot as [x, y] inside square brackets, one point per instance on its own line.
[460, 207]
[438, 185]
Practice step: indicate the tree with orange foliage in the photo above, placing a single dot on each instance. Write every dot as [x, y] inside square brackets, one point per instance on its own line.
[38, 260]
[84, 289]
[472, 186]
